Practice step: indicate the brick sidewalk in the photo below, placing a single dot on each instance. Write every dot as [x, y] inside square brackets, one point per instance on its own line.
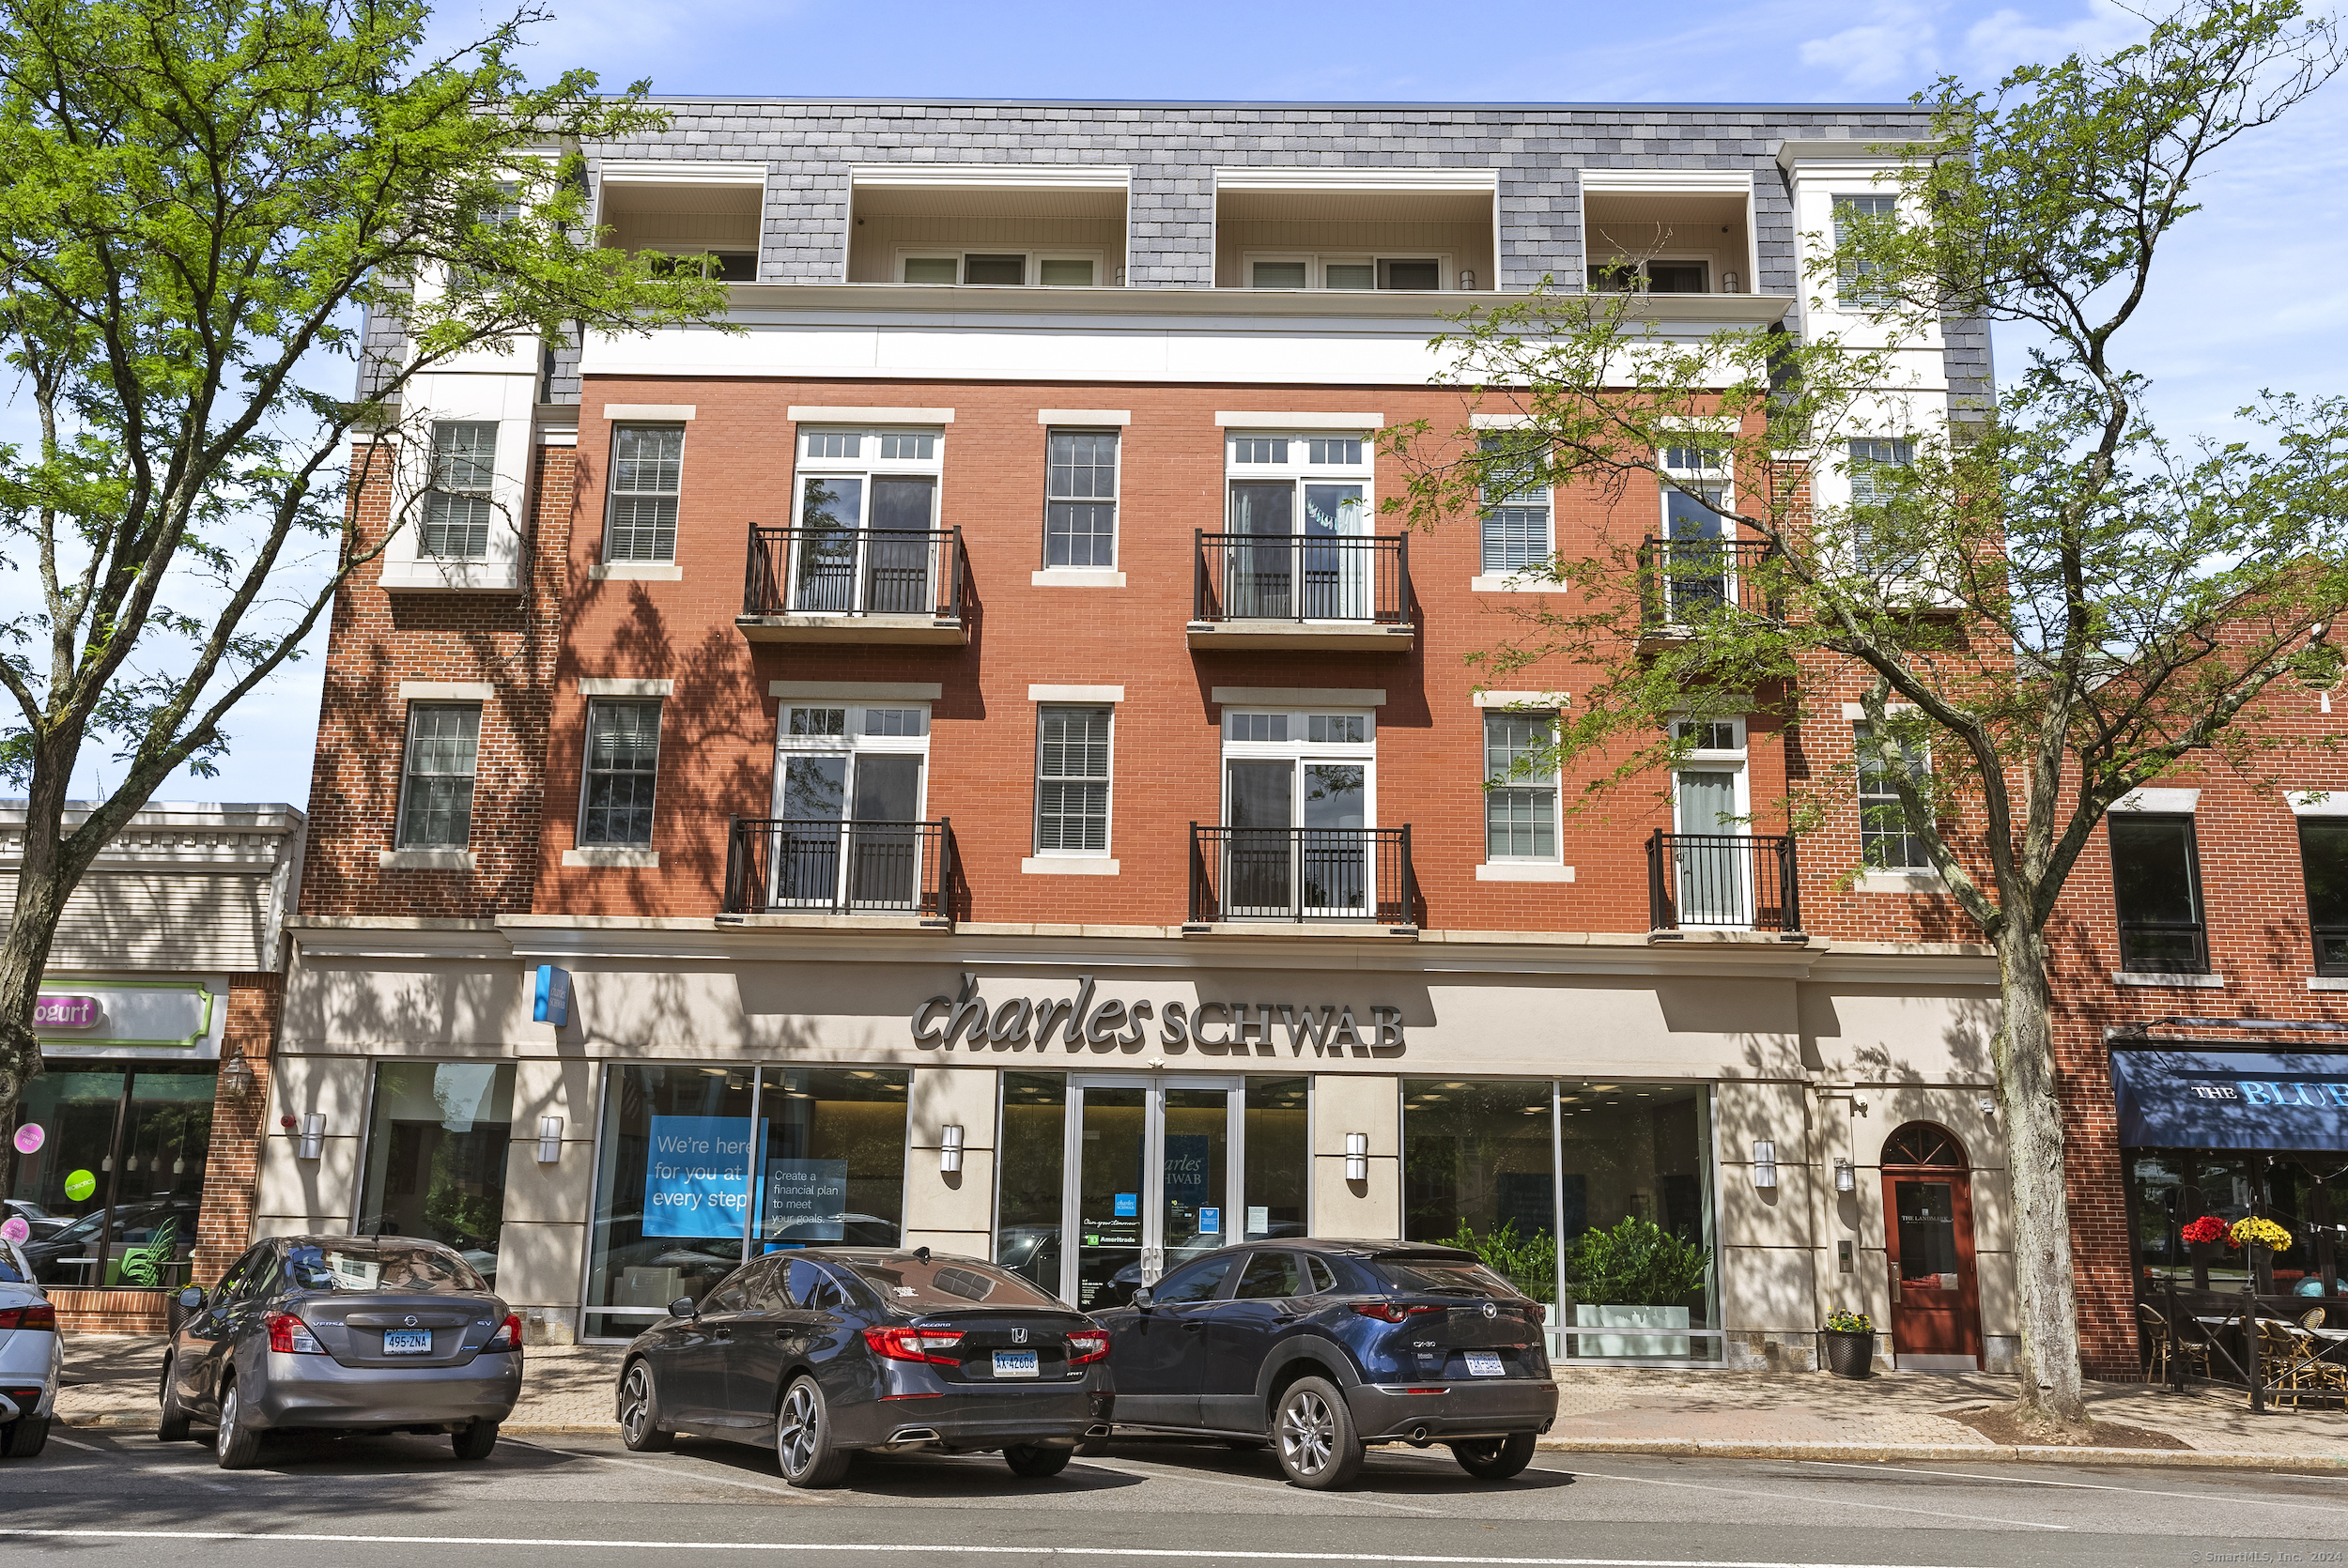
[111, 1382]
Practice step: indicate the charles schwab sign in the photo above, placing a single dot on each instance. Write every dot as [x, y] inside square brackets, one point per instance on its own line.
[1084, 1022]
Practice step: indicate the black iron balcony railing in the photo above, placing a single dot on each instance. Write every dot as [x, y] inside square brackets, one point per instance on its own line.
[854, 571]
[1302, 577]
[1728, 881]
[1300, 873]
[778, 865]
[1684, 579]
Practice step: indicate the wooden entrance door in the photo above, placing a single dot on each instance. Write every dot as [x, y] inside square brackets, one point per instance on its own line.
[1928, 1231]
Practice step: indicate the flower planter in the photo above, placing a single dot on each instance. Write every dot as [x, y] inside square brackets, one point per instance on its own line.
[1677, 1348]
[1847, 1355]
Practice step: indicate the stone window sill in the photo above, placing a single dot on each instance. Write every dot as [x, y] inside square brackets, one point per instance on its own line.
[2327, 982]
[1900, 881]
[451, 576]
[2170, 982]
[644, 859]
[636, 571]
[427, 860]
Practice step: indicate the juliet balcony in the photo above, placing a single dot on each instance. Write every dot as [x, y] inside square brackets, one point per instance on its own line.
[818, 866]
[1302, 591]
[872, 585]
[1296, 875]
[1686, 579]
[1723, 882]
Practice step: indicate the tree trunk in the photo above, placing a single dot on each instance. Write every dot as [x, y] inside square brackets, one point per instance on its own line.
[43, 882]
[2030, 1101]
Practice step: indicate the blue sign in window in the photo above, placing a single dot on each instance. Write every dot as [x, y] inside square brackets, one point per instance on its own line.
[1211, 1221]
[1128, 1205]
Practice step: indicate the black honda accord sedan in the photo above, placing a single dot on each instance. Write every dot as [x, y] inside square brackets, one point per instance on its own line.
[832, 1351]
[1324, 1349]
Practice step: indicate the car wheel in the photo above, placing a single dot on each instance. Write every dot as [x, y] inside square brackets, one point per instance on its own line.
[1494, 1459]
[639, 1413]
[173, 1428]
[803, 1438]
[474, 1440]
[25, 1438]
[235, 1444]
[1312, 1430]
[1037, 1463]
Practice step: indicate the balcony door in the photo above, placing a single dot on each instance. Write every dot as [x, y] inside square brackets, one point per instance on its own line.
[865, 536]
[1154, 1164]
[848, 806]
[1711, 855]
[1699, 576]
[1296, 502]
[1298, 800]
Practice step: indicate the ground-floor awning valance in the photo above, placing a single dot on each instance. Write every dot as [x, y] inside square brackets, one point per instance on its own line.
[2217, 1098]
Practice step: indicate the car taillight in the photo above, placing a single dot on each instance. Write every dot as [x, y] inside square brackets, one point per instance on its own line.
[41, 1315]
[1090, 1345]
[914, 1345]
[509, 1335]
[1390, 1312]
[288, 1332]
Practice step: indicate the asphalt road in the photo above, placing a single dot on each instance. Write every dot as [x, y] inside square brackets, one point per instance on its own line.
[98, 1500]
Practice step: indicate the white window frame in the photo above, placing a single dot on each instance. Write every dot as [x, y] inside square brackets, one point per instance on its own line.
[1716, 759]
[1109, 779]
[587, 771]
[407, 773]
[867, 465]
[855, 743]
[1923, 862]
[1552, 782]
[1031, 263]
[1543, 496]
[1317, 264]
[1708, 260]
[1303, 753]
[613, 493]
[1115, 499]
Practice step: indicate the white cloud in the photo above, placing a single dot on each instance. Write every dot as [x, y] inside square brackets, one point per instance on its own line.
[1895, 50]
[2004, 39]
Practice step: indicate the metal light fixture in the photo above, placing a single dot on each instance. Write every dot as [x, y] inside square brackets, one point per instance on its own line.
[237, 1073]
[1765, 1163]
[1467, 279]
[1357, 1157]
[950, 1149]
[1728, 284]
[549, 1140]
[1846, 1179]
[1989, 1106]
[313, 1141]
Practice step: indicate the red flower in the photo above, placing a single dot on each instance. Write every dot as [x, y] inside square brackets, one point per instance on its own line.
[2209, 1227]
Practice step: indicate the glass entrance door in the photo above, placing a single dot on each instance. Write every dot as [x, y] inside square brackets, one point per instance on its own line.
[1153, 1180]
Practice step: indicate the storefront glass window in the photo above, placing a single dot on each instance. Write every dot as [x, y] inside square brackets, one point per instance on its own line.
[1476, 1172]
[1029, 1168]
[1639, 1248]
[832, 1157]
[1277, 1158]
[132, 1140]
[438, 1137]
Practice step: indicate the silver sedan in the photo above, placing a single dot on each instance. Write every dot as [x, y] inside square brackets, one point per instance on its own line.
[343, 1334]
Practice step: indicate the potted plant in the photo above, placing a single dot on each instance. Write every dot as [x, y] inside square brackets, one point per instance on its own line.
[2260, 1239]
[1637, 1275]
[1849, 1338]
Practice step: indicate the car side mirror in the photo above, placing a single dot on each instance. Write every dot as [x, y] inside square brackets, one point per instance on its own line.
[684, 1306]
[1143, 1300]
[192, 1298]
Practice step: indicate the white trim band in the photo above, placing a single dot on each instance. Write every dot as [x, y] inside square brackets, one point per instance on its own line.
[680, 171]
[1298, 696]
[1734, 182]
[1499, 422]
[446, 691]
[614, 412]
[1251, 418]
[1040, 176]
[856, 691]
[625, 686]
[1083, 416]
[1319, 177]
[1075, 694]
[825, 414]
[2178, 801]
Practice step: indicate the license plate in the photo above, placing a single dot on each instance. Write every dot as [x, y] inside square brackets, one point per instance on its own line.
[407, 1342]
[1014, 1363]
[1483, 1363]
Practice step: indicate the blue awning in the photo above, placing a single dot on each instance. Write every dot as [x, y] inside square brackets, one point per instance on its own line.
[2231, 1099]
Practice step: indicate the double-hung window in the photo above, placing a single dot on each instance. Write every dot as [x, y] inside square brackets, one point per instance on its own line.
[1887, 842]
[1299, 544]
[1870, 492]
[1080, 499]
[1072, 781]
[1516, 519]
[623, 767]
[1852, 213]
[849, 786]
[866, 540]
[437, 777]
[2157, 886]
[1520, 788]
[458, 509]
[2323, 861]
[647, 473]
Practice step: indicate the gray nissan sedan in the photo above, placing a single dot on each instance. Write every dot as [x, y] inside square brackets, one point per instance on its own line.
[341, 1333]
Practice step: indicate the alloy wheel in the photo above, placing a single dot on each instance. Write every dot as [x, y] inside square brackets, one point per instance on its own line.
[635, 1405]
[795, 1431]
[1309, 1432]
[226, 1431]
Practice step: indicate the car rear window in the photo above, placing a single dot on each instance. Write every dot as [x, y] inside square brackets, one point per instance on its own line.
[380, 1266]
[907, 1282]
[9, 1272]
[1441, 1276]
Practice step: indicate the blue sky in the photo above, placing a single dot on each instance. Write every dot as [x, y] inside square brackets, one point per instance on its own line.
[2252, 297]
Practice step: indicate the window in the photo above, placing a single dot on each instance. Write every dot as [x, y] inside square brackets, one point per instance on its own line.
[647, 469]
[438, 1134]
[1002, 268]
[1072, 781]
[1347, 271]
[2323, 859]
[1270, 1276]
[435, 798]
[1080, 499]
[1300, 802]
[1298, 543]
[1871, 491]
[849, 794]
[2156, 884]
[457, 510]
[623, 763]
[1851, 285]
[1885, 841]
[1520, 809]
[1651, 276]
[867, 541]
[1517, 521]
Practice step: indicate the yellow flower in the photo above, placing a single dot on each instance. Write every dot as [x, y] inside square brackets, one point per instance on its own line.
[2255, 1232]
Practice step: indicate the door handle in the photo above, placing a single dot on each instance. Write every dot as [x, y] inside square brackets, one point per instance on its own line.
[722, 1335]
[1192, 1325]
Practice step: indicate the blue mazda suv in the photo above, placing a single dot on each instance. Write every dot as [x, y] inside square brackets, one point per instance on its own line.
[1323, 1348]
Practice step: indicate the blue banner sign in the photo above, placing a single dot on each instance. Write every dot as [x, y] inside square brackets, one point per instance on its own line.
[2231, 1099]
[697, 1175]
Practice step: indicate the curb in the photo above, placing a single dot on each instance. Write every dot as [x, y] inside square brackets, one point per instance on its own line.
[1698, 1448]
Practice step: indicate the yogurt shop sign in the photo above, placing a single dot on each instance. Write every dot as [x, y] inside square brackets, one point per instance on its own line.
[67, 1013]
[1086, 1021]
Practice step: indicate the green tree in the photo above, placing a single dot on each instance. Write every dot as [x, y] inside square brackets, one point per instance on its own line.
[2037, 591]
[202, 199]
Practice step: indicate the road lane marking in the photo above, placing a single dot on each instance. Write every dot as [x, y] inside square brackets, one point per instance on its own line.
[670, 1471]
[1153, 1553]
[1837, 1502]
[85, 1447]
[2080, 1486]
[1169, 1473]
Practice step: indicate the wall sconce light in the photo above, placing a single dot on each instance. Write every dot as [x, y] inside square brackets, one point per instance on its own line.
[549, 1140]
[1765, 1163]
[235, 1075]
[1467, 279]
[1846, 1179]
[1989, 1106]
[1728, 284]
[1357, 1157]
[313, 1141]
[949, 1150]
